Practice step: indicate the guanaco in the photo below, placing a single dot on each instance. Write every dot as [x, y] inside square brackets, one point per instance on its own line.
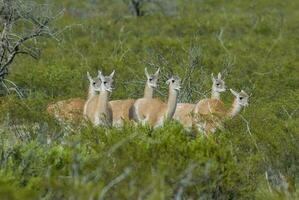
[154, 111]
[72, 109]
[212, 112]
[185, 111]
[122, 109]
[98, 109]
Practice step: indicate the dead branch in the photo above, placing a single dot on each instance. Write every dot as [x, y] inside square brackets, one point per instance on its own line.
[114, 182]
[21, 24]
[185, 181]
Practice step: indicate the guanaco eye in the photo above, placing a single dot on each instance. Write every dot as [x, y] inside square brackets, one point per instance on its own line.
[172, 81]
[241, 98]
[150, 79]
[105, 82]
[218, 84]
[94, 83]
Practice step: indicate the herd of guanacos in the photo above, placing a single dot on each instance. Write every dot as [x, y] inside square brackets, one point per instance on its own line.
[206, 116]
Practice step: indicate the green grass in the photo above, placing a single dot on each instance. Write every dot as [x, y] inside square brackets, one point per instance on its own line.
[255, 44]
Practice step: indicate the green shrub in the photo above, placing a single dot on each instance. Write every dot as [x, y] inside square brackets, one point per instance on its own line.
[255, 156]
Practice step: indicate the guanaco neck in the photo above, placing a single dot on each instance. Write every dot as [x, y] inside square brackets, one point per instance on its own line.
[148, 91]
[215, 94]
[91, 92]
[172, 103]
[103, 100]
[235, 109]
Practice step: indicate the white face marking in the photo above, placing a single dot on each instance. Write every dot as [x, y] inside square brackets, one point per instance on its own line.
[241, 97]
[174, 83]
[218, 84]
[94, 83]
[152, 80]
[106, 82]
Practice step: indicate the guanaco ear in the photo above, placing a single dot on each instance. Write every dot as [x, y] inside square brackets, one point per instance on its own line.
[100, 75]
[234, 92]
[212, 76]
[219, 75]
[168, 81]
[146, 73]
[245, 93]
[88, 76]
[157, 72]
[112, 74]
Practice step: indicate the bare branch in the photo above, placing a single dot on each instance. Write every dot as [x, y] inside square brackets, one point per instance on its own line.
[34, 17]
[247, 124]
[114, 182]
[185, 181]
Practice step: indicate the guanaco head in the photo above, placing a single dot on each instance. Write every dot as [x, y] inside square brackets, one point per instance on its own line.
[218, 83]
[106, 82]
[94, 82]
[174, 83]
[152, 80]
[241, 97]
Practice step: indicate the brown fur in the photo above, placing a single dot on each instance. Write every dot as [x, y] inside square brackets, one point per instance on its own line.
[122, 110]
[210, 106]
[184, 114]
[210, 113]
[70, 109]
[99, 107]
[154, 111]
[150, 110]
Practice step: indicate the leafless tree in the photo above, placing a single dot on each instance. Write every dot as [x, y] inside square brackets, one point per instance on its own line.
[22, 23]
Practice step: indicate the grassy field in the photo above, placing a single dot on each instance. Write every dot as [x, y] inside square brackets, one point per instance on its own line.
[253, 43]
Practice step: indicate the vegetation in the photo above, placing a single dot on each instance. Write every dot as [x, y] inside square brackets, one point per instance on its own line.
[22, 23]
[255, 155]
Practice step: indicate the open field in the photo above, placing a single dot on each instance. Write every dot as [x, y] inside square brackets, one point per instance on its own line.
[255, 44]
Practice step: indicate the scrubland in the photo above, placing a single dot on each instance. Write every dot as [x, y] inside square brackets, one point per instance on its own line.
[255, 156]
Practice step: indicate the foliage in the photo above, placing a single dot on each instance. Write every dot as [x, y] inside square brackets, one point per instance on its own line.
[255, 156]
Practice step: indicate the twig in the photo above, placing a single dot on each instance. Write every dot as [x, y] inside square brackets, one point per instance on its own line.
[219, 37]
[268, 183]
[185, 181]
[247, 124]
[14, 88]
[290, 115]
[120, 143]
[114, 182]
